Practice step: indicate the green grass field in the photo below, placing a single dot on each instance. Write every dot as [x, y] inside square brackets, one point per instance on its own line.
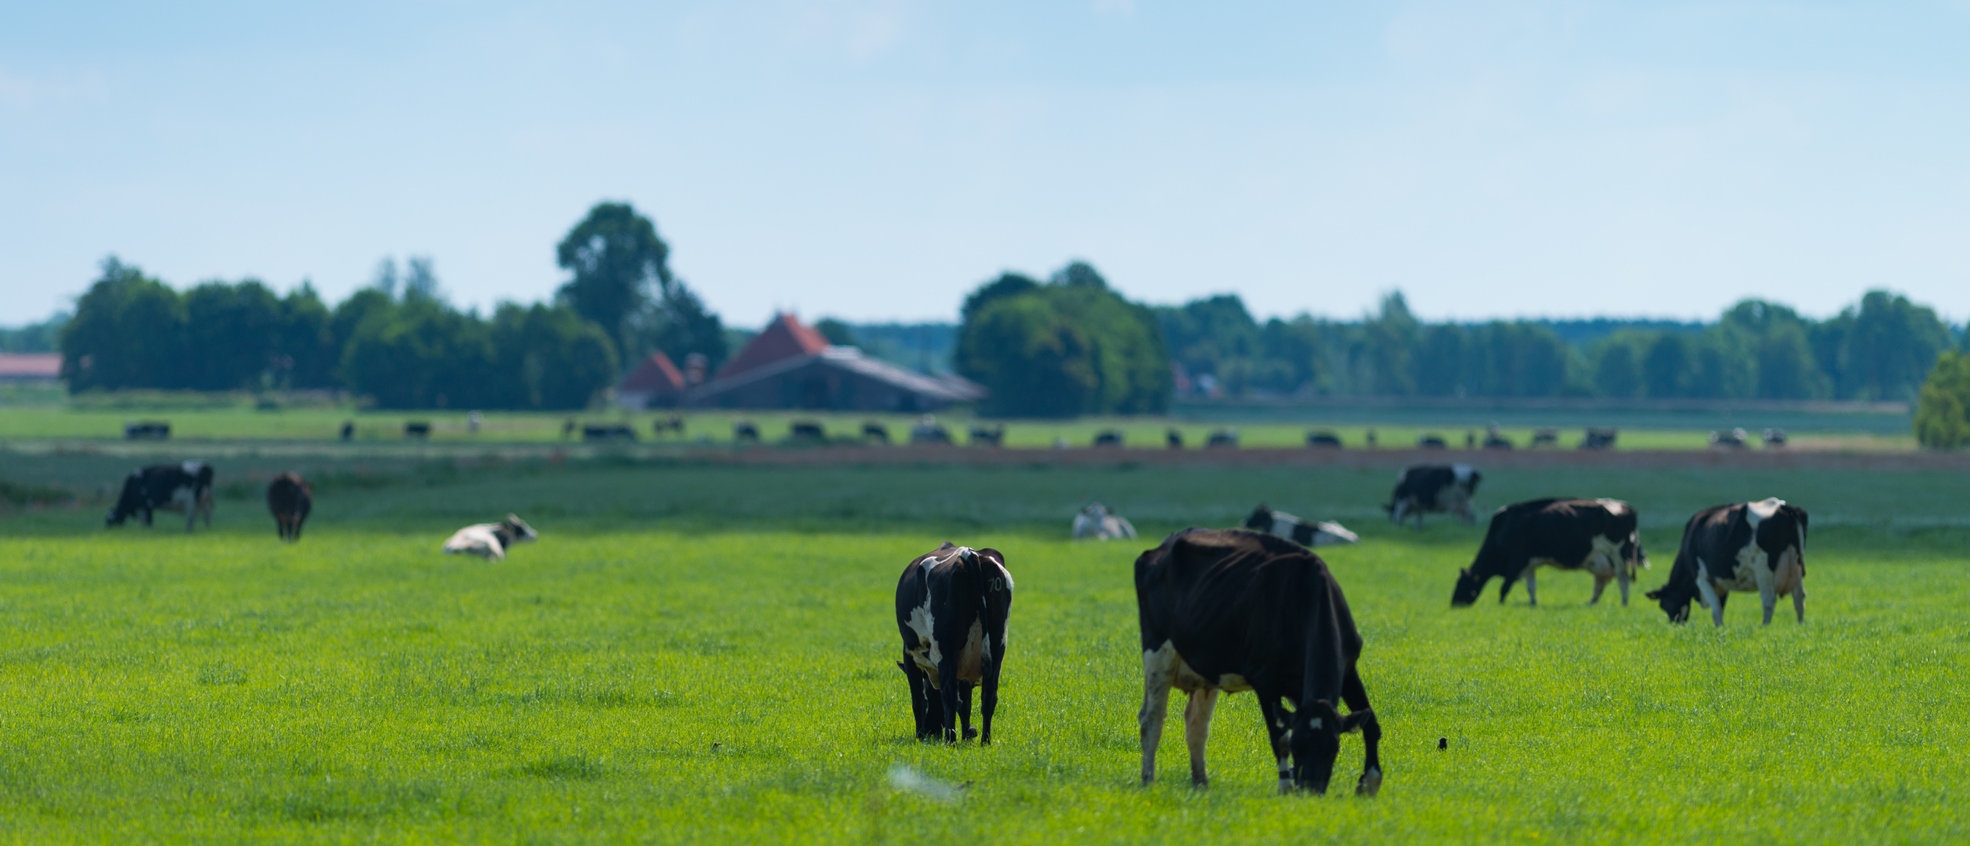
[707, 654]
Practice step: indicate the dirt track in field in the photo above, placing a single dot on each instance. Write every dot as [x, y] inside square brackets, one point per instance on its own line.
[1765, 459]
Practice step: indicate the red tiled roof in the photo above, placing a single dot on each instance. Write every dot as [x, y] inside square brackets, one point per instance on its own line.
[784, 338]
[657, 374]
[30, 365]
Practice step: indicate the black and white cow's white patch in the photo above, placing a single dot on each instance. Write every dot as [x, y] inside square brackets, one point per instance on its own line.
[1228, 610]
[952, 606]
[1096, 521]
[1434, 487]
[1307, 533]
[1744, 547]
[1596, 535]
[490, 540]
[183, 487]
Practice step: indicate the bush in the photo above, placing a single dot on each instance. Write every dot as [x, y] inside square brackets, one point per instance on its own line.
[1941, 421]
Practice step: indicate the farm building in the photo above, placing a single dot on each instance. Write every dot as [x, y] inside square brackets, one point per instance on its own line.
[654, 383]
[791, 366]
[30, 367]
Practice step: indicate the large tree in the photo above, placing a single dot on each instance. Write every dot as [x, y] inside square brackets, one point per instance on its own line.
[617, 258]
[1070, 346]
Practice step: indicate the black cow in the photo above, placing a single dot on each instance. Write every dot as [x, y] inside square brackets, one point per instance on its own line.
[165, 486]
[951, 608]
[290, 499]
[1108, 438]
[1596, 535]
[1747, 546]
[1323, 438]
[1230, 610]
[875, 433]
[988, 435]
[1433, 487]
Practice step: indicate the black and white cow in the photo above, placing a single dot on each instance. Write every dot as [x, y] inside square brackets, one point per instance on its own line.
[1230, 610]
[1434, 487]
[1747, 546]
[951, 608]
[1596, 535]
[169, 487]
[1307, 533]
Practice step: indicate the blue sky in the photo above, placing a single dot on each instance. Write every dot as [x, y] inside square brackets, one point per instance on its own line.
[876, 160]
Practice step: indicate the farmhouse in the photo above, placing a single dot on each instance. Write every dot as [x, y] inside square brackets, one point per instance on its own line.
[654, 383]
[30, 367]
[791, 366]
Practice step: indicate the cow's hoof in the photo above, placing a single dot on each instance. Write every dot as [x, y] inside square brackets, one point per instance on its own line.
[970, 733]
[1200, 783]
[1148, 780]
[1370, 783]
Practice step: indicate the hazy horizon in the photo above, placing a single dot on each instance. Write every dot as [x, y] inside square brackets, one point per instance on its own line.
[875, 161]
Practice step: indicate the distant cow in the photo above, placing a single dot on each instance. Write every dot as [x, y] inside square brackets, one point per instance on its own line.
[1547, 437]
[417, 430]
[1323, 438]
[929, 431]
[1774, 437]
[1094, 521]
[988, 435]
[875, 433]
[1223, 438]
[1108, 438]
[1599, 438]
[951, 609]
[808, 432]
[607, 432]
[290, 499]
[672, 423]
[490, 540]
[1230, 610]
[1432, 442]
[1306, 533]
[1434, 487]
[1173, 438]
[1747, 546]
[744, 432]
[1732, 439]
[168, 487]
[147, 430]
[1596, 535]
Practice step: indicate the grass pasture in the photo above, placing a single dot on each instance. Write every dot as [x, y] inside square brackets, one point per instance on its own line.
[706, 654]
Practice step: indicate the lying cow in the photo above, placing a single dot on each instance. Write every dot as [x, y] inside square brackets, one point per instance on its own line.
[951, 609]
[1303, 532]
[1748, 546]
[1596, 535]
[1434, 487]
[169, 487]
[290, 499]
[490, 540]
[1094, 521]
[1231, 610]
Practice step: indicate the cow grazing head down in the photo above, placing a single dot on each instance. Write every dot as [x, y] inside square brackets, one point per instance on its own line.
[1596, 535]
[952, 606]
[186, 486]
[1748, 546]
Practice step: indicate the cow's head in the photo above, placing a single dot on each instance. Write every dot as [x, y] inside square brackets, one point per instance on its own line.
[518, 529]
[1261, 519]
[1469, 585]
[1675, 601]
[127, 503]
[1315, 742]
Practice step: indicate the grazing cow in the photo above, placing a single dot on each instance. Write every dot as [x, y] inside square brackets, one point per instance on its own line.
[1303, 532]
[1596, 535]
[744, 432]
[988, 435]
[1231, 610]
[1323, 438]
[1494, 439]
[671, 423]
[1747, 546]
[1094, 521]
[1108, 438]
[349, 431]
[1733, 439]
[929, 431]
[1434, 487]
[875, 433]
[419, 431]
[290, 499]
[1545, 437]
[490, 540]
[1600, 437]
[607, 432]
[1173, 438]
[147, 430]
[951, 608]
[1223, 438]
[1774, 437]
[1432, 442]
[808, 431]
[168, 487]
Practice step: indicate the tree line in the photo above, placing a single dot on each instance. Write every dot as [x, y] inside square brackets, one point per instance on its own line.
[398, 340]
[1878, 349]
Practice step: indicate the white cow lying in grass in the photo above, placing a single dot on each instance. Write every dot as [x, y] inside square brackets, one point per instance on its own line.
[490, 540]
[1094, 521]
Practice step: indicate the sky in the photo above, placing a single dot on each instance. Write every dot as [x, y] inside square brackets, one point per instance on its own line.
[876, 159]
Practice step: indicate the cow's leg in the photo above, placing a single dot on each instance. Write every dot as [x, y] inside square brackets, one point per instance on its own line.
[1275, 730]
[1600, 584]
[1158, 667]
[1197, 730]
[989, 702]
[1531, 586]
[1622, 577]
[947, 689]
[1767, 592]
[919, 699]
[964, 712]
[1799, 601]
[1356, 697]
[1708, 595]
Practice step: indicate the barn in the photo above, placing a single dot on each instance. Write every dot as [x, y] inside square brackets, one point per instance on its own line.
[789, 365]
[656, 383]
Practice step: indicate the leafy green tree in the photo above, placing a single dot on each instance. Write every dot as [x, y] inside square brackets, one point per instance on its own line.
[1666, 367]
[1942, 409]
[615, 255]
[128, 332]
[837, 332]
[307, 351]
[555, 359]
[1387, 344]
[1071, 346]
[1888, 346]
[1617, 368]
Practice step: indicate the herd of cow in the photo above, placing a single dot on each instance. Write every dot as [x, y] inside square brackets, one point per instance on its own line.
[187, 487]
[1228, 610]
[1220, 610]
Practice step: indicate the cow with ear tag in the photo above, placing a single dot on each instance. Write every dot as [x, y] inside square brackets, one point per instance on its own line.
[952, 605]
